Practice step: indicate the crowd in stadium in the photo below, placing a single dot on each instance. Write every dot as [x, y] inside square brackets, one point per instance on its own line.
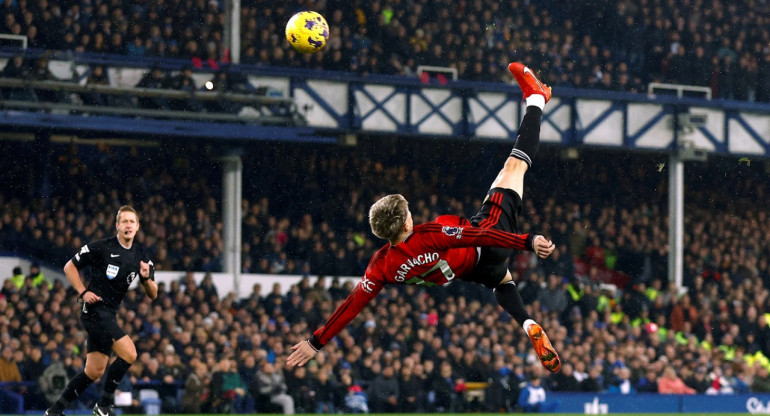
[604, 298]
[423, 346]
[613, 45]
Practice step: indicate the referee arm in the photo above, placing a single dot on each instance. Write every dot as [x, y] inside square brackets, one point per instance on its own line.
[73, 275]
[147, 280]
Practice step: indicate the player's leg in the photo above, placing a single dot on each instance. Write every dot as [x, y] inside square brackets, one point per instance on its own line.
[536, 94]
[96, 362]
[126, 351]
[508, 297]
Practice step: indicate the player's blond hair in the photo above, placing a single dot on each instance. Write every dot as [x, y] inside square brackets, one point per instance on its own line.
[126, 208]
[388, 215]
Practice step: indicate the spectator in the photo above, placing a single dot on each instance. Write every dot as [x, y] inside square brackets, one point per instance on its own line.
[355, 398]
[384, 392]
[273, 387]
[9, 370]
[228, 391]
[37, 277]
[172, 373]
[411, 391]
[622, 384]
[564, 380]
[18, 68]
[761, 382]
[444, 392]
[184, 82]
[553, 297]
[18, 279]
[97, 76]
[325, 390]
[594, 382]
[154, 79]
[298, 386]
[532, 398]
[220, 83]
[196, 390]
[698, 381]
[670, 383]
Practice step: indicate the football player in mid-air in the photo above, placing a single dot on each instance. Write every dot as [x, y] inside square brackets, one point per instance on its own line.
[115, 263]
[451, 247]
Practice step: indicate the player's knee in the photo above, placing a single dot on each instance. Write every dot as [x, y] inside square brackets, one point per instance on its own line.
[94, 372]
[130, 357]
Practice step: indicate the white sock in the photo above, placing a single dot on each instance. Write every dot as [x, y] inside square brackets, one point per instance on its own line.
[528, 323]
[537, 100]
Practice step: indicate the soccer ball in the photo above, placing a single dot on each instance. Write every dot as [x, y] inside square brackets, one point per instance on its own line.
[307, 32]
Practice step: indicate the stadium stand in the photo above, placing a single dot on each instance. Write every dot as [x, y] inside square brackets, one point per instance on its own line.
[717, 328]
[613, 45]
[618, 323]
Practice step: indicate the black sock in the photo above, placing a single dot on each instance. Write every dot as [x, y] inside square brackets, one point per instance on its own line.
[508, 297]
[111, 380]
[528, 137]
[77, 385]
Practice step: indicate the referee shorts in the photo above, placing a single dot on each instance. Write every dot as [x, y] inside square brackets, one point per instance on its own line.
[500, 211]
[102, 327]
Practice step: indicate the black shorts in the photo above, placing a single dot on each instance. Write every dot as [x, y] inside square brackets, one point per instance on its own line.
[500, 211]
[102, 327]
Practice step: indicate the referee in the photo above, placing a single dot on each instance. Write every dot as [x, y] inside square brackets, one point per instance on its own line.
[115, 263]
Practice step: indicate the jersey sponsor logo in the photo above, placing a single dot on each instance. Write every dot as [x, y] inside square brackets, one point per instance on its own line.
[130, 278]
[83, 250]
[114, 255]
[367, 285]
[404, 269]
[457, 232]
[112, 271]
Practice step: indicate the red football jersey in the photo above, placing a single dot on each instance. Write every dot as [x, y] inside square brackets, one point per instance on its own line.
[434, 254]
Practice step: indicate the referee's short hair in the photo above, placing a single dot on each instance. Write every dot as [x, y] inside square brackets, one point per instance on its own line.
[126, 208]
[388, 216]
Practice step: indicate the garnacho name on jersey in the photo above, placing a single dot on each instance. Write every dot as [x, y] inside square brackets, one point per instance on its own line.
[420, 260]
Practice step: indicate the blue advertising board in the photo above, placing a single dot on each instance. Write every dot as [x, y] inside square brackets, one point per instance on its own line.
[603, 403]
[727, 403]
[600, 404]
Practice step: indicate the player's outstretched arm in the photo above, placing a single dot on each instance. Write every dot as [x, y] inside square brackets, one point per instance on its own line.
[358, 298]
[302, 352]
[447, 236]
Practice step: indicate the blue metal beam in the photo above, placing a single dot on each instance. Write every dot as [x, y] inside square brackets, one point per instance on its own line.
[122, 126]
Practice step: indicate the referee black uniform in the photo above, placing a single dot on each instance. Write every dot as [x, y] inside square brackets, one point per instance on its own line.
[113, 268]
[114, 264]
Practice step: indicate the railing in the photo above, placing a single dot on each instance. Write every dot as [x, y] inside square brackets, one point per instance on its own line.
[267, 110]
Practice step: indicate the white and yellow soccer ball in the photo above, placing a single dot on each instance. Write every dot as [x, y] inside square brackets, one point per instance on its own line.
[307, 32]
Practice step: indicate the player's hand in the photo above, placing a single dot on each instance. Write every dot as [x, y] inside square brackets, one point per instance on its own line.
[144, 269]
[91, 297]
[543, 246]
[302, 353]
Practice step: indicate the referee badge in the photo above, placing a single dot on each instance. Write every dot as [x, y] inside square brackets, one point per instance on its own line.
[112, 271]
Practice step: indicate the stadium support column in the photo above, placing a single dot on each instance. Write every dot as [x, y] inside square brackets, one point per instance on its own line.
[232, 182]
[676, 218]
[233, 29]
